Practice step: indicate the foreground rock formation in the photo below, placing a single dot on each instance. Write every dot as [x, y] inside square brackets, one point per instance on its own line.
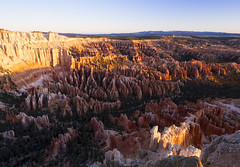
[222, 151]
[179, 161]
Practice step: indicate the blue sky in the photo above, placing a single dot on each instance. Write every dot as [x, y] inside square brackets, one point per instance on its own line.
[112, 16]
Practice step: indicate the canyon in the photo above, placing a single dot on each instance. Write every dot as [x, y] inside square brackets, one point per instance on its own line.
[109, 102]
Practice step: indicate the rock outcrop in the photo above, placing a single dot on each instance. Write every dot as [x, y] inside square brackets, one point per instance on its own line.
[179, 161]
[26, 120]
[110, 139]
[8, 134]
[60, 143]
[114, 158]
[223, 151]
[105, 138]
[172, 141]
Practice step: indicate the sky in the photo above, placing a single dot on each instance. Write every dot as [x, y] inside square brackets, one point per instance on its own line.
[120, 16]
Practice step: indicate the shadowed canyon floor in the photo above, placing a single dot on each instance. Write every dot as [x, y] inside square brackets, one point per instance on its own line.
[170, 101]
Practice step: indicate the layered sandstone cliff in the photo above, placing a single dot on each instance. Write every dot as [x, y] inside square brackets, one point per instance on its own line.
[20, 51]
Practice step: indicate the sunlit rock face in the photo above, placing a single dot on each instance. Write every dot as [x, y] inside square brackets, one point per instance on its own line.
[172, 141]
[20, 51]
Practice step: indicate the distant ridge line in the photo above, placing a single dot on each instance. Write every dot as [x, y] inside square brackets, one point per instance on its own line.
[161, 33]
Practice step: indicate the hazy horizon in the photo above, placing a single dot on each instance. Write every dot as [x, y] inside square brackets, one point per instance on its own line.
[122, 32]
[106, 16]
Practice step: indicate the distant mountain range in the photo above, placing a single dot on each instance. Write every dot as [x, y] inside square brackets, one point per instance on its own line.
[161, 33]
